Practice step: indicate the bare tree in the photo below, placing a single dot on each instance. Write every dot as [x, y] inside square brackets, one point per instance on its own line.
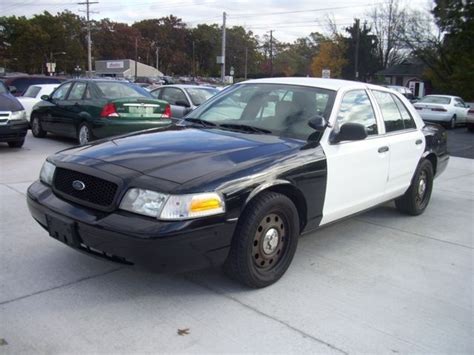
[385, 20]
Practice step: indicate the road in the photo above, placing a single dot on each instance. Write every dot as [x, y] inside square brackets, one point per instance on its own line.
[376, 283]
[461, 143]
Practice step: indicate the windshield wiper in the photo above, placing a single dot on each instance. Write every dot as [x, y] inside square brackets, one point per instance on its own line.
[244, 127]
[200, 121]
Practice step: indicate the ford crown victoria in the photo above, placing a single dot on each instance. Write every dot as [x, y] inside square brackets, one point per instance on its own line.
[241, 177]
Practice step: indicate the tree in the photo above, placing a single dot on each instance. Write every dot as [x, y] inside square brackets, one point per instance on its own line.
[331, 56]
[385, 20]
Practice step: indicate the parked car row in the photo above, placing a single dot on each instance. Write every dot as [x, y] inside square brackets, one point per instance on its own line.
[446, 110]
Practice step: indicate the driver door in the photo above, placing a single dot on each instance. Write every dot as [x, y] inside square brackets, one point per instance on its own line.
[357, 170]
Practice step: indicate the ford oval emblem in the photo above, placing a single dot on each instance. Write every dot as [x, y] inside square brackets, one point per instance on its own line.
[78, 185]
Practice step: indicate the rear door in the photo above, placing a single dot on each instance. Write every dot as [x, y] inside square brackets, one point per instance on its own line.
[405, 141]
[357, 170]
[73, 106]
[461, 110]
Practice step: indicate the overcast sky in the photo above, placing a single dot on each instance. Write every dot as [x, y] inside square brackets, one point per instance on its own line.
[289, 19]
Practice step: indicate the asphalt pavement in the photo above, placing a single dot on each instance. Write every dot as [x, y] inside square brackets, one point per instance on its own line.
[380, 282]
[461, 143]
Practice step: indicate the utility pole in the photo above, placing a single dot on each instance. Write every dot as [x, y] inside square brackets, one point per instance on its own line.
[136, 57]
[271, 52]
[194, 62]
[246, 59]
[88, 3]
[157, 57]
[356, 60]
[224, 15]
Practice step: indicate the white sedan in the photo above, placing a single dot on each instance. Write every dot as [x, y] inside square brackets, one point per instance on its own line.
[33, 95]
[443, 109]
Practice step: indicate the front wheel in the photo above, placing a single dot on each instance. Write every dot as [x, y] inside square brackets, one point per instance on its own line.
[84, 134]
[452, 123]
[416, 198]
[264, 241]
[36, 128]
[16, 144]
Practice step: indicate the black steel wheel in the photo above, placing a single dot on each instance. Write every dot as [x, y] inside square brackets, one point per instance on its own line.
[416, 198]
[36, 128]
[452, 122]
[16, 144]
[265, 240]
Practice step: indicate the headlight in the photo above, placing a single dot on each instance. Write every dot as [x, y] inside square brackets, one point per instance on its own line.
[47, 173]
[172, 207]
[18, 115]
[193, 206]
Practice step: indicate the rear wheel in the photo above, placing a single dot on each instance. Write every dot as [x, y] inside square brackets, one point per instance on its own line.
[470, 127]
[265, 241]
[416, 198]
[84, 134]
[36, 128]
[452, 123]
[16, 144]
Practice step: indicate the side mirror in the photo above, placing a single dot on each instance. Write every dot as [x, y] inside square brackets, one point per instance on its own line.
[182, 103]
[350, 131]
[318, 123]
[12, 89]
[45, 97]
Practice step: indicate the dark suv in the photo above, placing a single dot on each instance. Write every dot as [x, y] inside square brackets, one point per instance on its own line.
[13, 122]
[18, 84]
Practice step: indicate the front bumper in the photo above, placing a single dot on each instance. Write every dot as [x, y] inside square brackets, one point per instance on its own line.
[131, 239]
[13, 130]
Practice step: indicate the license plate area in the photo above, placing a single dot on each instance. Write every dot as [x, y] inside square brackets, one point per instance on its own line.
[63, 231]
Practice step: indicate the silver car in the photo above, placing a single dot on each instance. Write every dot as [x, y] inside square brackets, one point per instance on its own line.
[184, 98]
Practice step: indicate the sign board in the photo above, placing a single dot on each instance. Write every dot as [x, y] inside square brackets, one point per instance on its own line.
[115, 65]
[326, 73]
[231, 71]
[51, 67]
[220, 59]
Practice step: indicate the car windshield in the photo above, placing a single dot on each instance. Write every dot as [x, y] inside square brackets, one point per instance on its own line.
[3, 89]
[435, 100]
[199, 95]
[283, 110]
[32, 91]
[115, 90]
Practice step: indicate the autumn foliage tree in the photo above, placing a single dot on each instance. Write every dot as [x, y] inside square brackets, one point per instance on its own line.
[331, 56]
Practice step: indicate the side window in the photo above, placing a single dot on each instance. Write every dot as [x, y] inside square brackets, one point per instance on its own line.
[391, 115]
[88, 94]
[156, 93]
[173, 95]
[61, 92]
[459, 103]
[356, 108]
[408, 121]
[77, 91]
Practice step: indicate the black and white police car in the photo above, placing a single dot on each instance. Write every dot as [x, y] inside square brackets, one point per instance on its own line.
[241, 177]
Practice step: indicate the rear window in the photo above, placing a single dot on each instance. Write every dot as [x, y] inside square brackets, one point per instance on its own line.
[32, 91]
[436, 100]
[114, 90]
[199, 95]
[21, 84]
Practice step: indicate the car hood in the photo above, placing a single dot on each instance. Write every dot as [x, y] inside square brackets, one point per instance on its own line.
[180, 154]
[9, 103]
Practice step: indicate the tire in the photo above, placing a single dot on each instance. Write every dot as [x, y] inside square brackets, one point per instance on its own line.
[36, 128]
[264, 241]
[16, 144]
[452, 122]
[416, 198]
[470, 127]
[84, 134]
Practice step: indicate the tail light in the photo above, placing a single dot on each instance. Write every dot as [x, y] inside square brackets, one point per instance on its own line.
[471, 111]
[439, 109]
[167, 113]
[109, 110]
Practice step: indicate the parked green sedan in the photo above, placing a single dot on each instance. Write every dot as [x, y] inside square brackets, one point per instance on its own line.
[89, 109]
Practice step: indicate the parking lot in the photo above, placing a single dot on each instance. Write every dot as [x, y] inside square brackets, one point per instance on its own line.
[379, 282]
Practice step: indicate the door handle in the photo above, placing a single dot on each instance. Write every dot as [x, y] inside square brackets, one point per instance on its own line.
[418, 142]
[383, 149]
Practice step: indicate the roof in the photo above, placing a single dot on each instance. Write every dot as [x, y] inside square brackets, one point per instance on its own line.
[404, 69]
[329, 84]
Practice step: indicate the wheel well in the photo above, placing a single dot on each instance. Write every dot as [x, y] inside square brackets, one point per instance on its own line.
[296, 196]
[433, 160]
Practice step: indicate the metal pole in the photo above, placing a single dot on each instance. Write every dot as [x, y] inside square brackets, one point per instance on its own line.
[223, 47]
[136, 57]
[194, 63]
[88, 3]
[157, 57]
[246, 59]
[356, 60]
[271, 53]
